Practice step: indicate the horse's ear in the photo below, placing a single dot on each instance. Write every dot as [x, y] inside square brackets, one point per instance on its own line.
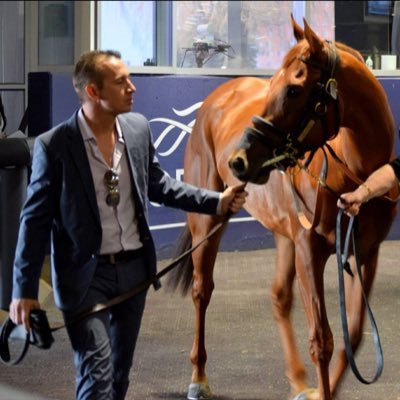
[316, 44]
[297, 30]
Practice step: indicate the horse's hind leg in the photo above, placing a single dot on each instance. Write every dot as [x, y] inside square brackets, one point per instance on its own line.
[203, 285]
[282, 301]
[355, 309]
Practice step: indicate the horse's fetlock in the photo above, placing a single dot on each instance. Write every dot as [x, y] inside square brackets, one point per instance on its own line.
[199, 358]
[297, 378]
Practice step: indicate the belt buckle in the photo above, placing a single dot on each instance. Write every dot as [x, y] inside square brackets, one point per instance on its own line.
[112, 259]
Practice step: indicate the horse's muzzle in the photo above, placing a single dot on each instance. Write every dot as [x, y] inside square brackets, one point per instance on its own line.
[239, 165]
[245, 171]
[257, 145]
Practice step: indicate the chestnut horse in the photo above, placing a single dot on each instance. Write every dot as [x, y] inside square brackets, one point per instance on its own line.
[321, 122]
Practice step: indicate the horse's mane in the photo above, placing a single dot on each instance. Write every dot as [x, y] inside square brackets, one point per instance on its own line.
[348, 49]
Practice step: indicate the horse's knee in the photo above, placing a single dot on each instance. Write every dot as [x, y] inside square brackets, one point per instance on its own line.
[282, 301]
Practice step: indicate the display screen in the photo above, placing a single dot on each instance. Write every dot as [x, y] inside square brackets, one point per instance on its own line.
[384, 8]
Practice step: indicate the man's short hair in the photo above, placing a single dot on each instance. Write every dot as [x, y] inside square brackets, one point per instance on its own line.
[88, 69]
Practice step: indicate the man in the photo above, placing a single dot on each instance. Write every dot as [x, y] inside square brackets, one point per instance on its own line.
[91, 177]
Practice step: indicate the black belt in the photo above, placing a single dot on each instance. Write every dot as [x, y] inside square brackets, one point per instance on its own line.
[122, 256]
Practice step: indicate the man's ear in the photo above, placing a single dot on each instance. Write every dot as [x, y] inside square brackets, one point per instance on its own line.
[92, 92]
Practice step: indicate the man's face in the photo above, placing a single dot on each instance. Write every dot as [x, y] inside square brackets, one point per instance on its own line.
[116, 95]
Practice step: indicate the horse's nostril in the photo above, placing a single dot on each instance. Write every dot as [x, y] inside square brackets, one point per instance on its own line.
[238, 165]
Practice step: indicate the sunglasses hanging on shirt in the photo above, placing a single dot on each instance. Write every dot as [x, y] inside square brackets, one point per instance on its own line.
[111, 181]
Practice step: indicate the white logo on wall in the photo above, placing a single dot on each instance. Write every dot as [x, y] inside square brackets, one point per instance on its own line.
[171, 128]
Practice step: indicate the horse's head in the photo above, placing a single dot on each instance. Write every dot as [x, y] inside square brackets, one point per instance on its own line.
[300, 113]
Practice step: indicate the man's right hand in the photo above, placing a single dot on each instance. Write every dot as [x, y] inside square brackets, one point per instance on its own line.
[233, 198]
[20, 310]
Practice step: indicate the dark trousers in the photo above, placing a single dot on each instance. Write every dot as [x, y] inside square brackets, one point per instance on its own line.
[104, 342]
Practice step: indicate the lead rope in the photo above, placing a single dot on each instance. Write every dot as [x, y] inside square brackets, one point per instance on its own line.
[343, 264]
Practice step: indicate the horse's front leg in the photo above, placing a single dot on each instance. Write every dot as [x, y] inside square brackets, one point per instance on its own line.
[311, 257]
[203, 286]
[282, 302]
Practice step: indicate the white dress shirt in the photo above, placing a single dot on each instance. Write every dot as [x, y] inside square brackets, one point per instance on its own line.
[118, 223]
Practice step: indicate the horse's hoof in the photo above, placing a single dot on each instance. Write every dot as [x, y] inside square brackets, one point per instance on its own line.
[199, 391]
[308, 394]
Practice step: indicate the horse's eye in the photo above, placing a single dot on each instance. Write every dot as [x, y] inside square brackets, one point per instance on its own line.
[293, 91]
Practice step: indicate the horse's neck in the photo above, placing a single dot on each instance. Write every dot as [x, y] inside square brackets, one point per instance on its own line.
[367, 134]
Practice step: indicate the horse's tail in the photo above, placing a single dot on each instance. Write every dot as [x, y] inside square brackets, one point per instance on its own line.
[182, 275]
